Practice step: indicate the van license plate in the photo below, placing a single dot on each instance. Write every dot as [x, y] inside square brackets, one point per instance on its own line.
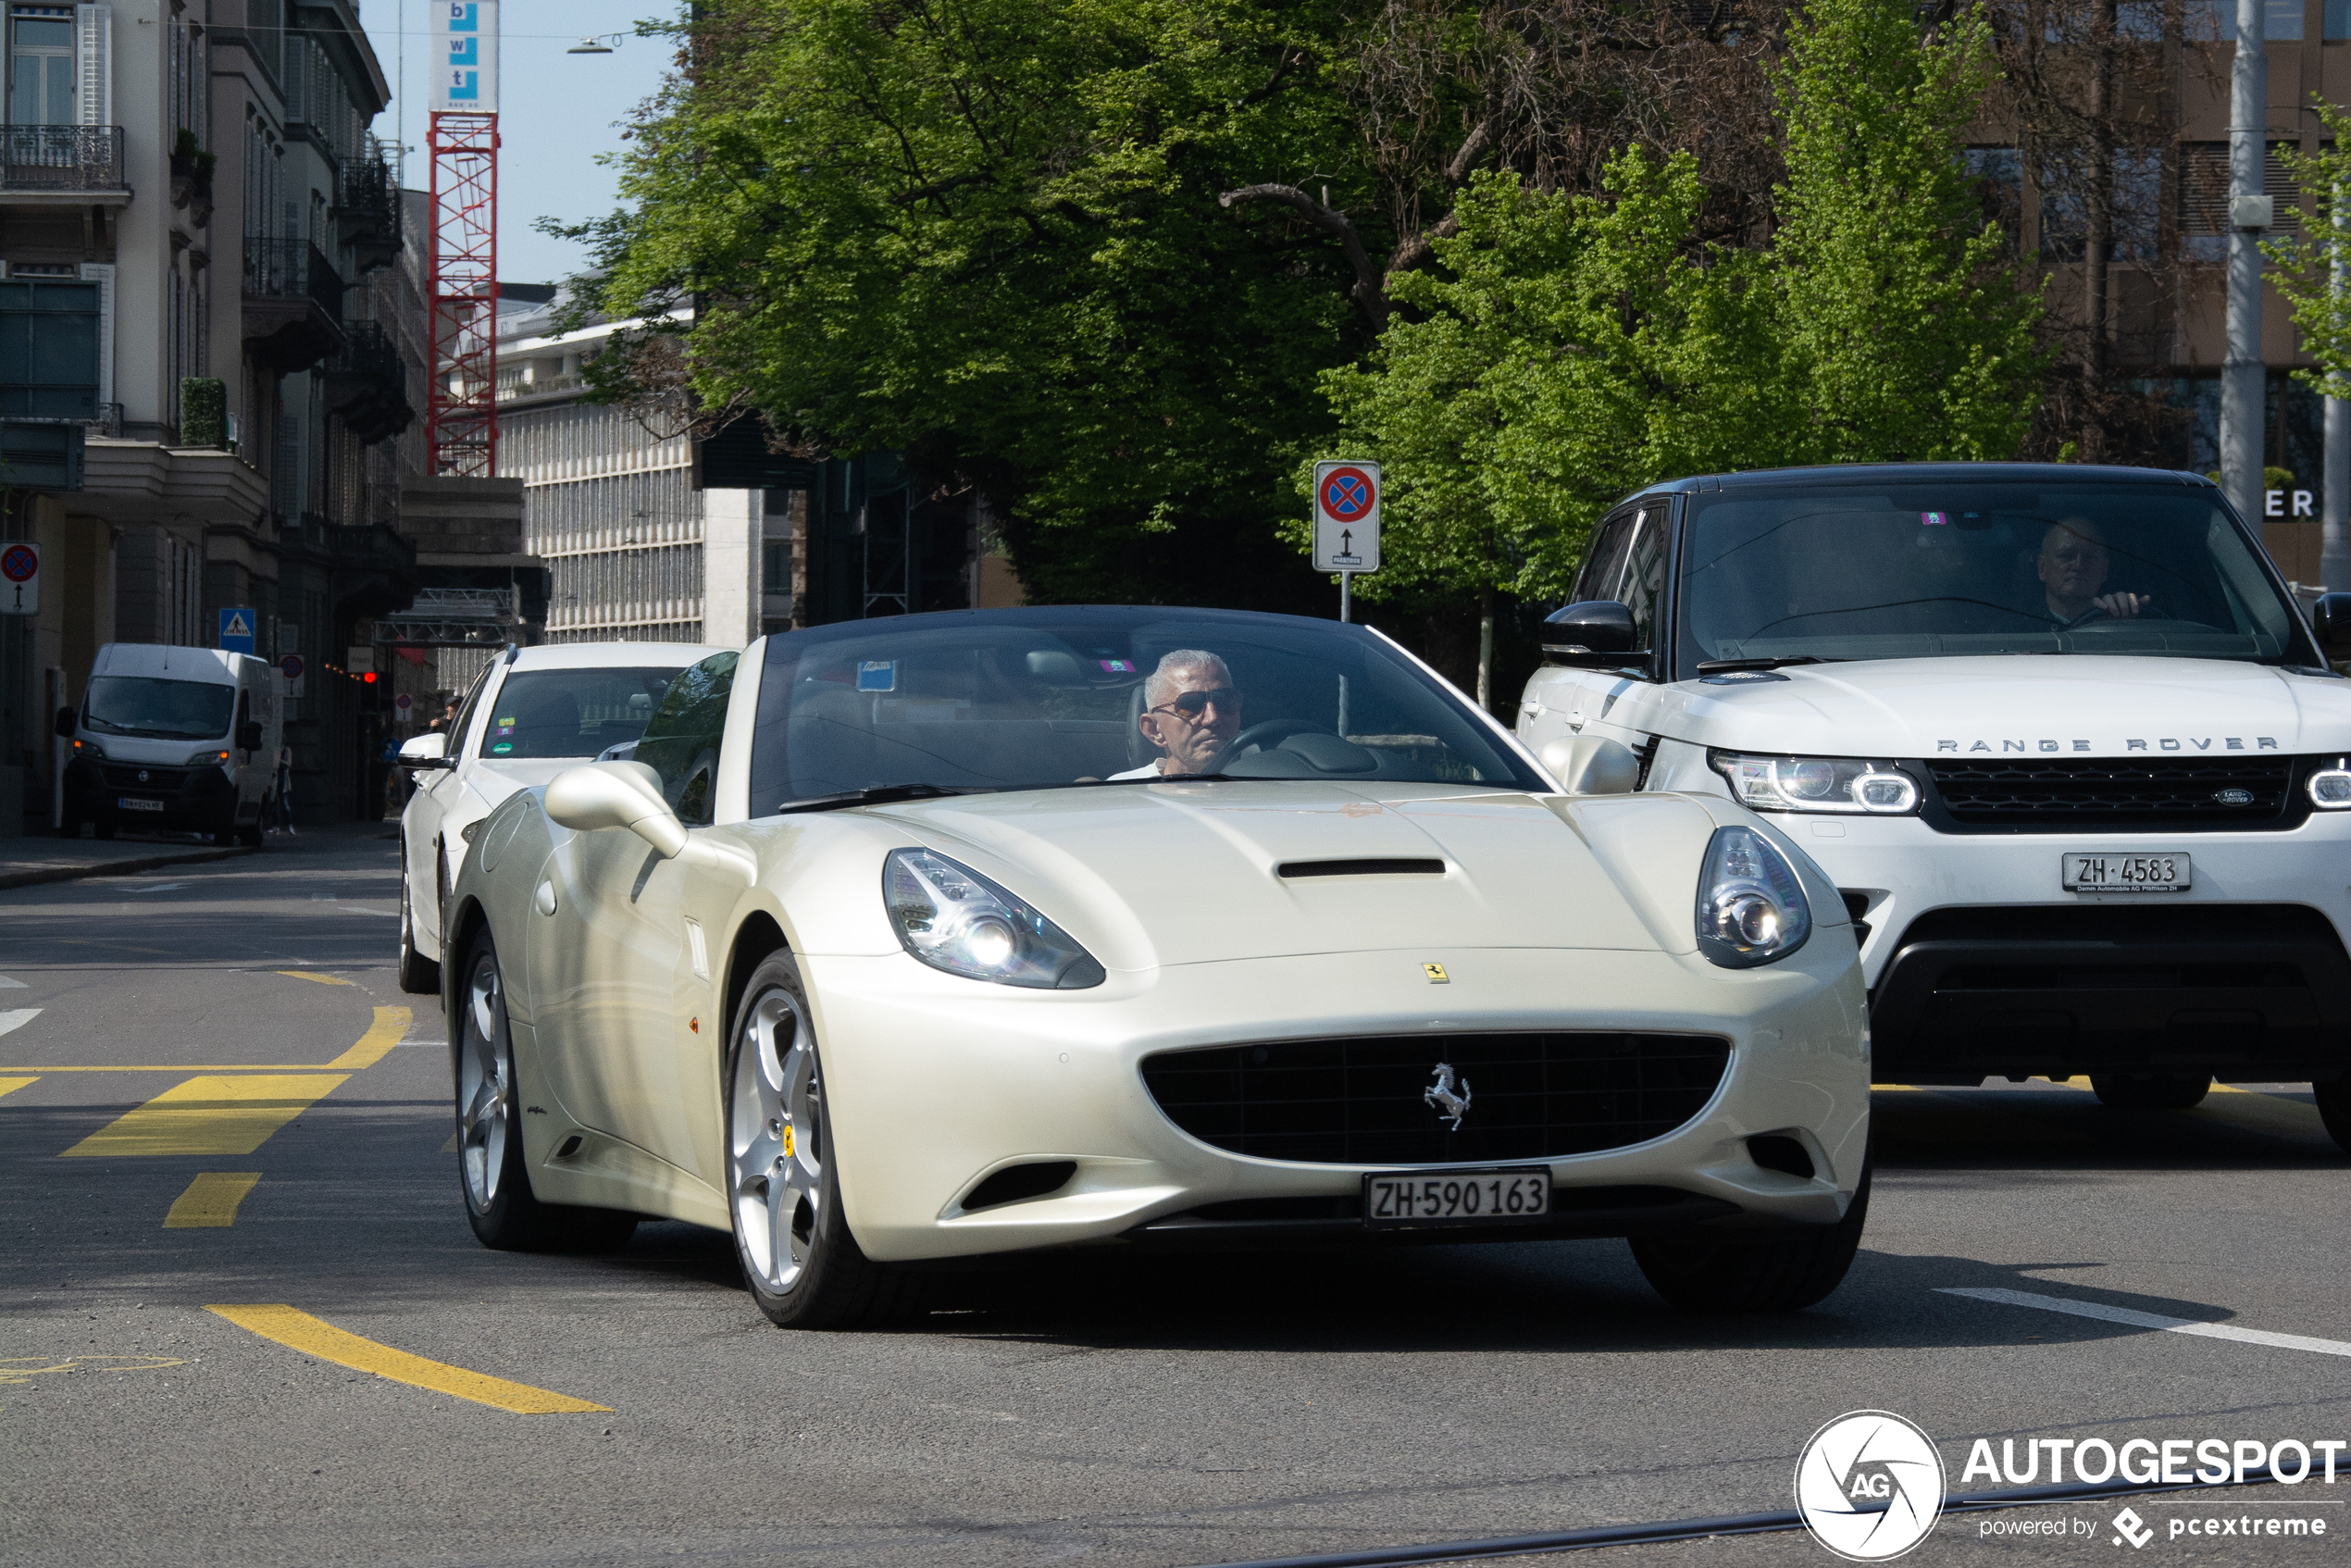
[127, 803]
[2126, 873]
[1501, 1195]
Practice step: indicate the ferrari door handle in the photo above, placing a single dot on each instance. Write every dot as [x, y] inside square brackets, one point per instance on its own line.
[544, 900]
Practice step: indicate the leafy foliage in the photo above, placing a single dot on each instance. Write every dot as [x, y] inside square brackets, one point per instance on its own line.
[1576, 348]
[2309, 262]
[984, 232]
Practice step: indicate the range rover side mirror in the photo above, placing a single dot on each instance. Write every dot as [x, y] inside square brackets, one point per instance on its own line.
[1596, 634]
[65, 724]
[2330, 618]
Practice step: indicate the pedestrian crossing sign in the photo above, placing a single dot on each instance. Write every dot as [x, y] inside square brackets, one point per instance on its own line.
[236, 630]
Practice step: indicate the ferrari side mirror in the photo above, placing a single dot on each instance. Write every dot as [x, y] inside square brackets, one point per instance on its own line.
[628, 795]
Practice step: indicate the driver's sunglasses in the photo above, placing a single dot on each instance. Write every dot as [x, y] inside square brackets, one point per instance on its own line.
[1191, 704]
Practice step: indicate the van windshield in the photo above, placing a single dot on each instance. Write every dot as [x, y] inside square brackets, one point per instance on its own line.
[160, 710]
[1916, 571]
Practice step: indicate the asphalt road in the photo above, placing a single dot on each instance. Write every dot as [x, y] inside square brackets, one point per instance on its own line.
[1088, 1409]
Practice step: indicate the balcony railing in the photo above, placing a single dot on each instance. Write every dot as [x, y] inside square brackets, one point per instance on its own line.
[367, 383]
[60, 157]
[293, 269]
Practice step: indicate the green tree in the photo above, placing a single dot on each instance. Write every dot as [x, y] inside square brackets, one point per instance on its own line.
[1906, 335]
[985, 233]
[2313, 263]
[1568, 348]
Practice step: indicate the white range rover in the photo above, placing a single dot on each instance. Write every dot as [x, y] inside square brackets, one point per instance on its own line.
[2061, 736]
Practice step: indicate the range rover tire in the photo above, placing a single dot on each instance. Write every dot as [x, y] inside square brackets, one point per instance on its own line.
[2334, 1109]
[1753, 1272]
[801, 1266]
[491, 1170]
[2151, 1091]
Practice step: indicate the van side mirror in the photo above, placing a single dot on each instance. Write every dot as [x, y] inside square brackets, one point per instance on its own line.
[2330, 618]
[66, 723]
[1596, 634]
[249, 735]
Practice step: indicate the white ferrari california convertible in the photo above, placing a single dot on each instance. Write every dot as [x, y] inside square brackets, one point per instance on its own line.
[952, 934]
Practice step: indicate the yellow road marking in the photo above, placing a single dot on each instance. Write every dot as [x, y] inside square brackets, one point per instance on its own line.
[1912, 1088]
[300, 1331]
[209, 1116]
[306, 975]
[381, 1036]
[9, 1086]
[211, 1200]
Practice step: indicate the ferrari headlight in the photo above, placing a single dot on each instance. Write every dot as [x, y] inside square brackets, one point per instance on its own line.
[952, 919]
[1846, 784]
[1751, 907]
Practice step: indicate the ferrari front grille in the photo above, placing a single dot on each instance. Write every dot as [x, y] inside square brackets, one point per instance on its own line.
[1386, 1100]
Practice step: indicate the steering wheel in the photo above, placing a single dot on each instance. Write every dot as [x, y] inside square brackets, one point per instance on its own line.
[1257, 734]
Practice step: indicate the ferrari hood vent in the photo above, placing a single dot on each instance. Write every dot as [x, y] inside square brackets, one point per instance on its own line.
[1391, 868]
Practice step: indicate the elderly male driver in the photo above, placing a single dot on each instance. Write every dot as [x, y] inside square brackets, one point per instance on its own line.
[1190, 713]
[2072, 567]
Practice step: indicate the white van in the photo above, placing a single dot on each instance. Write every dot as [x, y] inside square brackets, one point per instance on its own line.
[2059, 734]
[181, 739]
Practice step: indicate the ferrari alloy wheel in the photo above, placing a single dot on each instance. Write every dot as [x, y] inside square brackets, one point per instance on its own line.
[418, 975]
[2151, 1091]
[500, 1205]
[1778, 1271]
[783, 1185]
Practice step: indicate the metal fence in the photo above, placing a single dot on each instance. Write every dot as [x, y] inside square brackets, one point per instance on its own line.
[61, 157]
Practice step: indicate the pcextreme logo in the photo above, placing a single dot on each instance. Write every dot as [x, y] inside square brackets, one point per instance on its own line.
[1869, 1485]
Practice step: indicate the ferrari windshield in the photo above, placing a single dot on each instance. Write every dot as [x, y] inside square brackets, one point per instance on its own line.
[1041, 698]
[1912, 571]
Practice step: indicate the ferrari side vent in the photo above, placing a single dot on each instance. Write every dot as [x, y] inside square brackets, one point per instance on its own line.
[1015, 1182]
[1361, 869]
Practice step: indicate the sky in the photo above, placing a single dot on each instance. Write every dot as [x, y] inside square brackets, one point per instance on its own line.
[557, 112]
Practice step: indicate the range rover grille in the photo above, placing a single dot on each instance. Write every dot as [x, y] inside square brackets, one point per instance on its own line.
[1364, 1100]
[2200, 792]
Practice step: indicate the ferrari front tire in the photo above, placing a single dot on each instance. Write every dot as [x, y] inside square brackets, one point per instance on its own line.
[801, 1264]
[1752, 1272]
[419, 976]
[492, 1168]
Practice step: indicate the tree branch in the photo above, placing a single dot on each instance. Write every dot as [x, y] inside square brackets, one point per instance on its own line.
[1367, 293]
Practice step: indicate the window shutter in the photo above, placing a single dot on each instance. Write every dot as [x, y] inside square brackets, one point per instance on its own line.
[102, 274]
[93, 57]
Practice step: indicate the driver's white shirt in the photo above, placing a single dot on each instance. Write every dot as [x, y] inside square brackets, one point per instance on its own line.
[1148, 770]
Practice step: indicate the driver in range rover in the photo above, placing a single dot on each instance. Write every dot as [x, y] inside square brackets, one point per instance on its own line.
[1190, 713]
[2072, 567]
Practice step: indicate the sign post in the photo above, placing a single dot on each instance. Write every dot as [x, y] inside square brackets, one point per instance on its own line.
[19, 578]
[236, 630]
[1346, 508]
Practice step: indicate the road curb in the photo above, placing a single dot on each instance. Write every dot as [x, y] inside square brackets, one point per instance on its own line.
[119, 867]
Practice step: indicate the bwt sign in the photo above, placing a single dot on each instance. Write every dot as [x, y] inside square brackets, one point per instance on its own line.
[2273, 503]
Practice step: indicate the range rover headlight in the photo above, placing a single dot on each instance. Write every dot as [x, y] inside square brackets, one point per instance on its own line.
[1751, 907]
[952, 919]
[2330, 787]
[1838, 784]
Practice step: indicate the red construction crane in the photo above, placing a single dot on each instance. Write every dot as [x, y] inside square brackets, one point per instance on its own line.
[461, 412]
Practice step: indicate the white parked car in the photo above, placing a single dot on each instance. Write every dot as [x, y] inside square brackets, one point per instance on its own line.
[532, 712]
[2061, 736]
[970, 933]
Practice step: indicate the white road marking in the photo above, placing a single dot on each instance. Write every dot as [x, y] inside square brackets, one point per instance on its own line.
[156, 887]
[8, 985]
[18, 1019]
[2153, 1320]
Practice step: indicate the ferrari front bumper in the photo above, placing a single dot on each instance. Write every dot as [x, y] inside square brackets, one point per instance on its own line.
[936, 1083]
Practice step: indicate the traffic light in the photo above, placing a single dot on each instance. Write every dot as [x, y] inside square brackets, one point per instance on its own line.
[370, 677]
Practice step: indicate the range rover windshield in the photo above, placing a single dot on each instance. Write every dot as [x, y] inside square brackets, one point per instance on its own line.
[1916, 571]
[1054, 698]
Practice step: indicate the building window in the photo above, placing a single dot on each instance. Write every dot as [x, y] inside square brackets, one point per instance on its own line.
[2215, 21]
[1998, 177]
[40, 61]
[2338, 20]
